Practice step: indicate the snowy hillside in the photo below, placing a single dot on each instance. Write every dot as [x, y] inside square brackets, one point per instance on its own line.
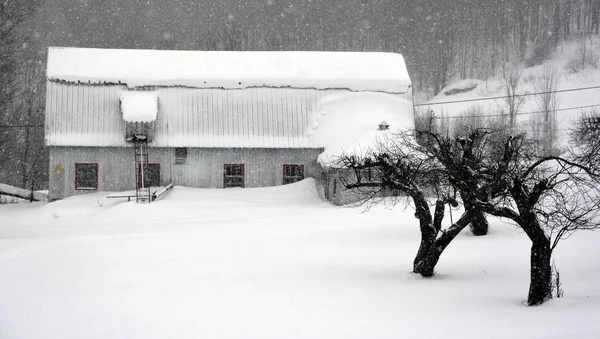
[577, 89]
[271, 263]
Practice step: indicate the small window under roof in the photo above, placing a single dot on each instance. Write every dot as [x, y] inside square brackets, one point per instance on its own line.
[139, 106]
[181, 155]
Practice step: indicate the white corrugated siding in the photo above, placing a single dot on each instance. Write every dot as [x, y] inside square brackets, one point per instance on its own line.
[89, 115]
[83, 115]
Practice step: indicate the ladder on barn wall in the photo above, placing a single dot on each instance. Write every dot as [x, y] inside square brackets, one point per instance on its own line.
[142, 190]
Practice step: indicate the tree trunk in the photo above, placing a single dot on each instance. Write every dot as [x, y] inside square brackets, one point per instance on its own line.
[556, 26]
[426, 266]
[579, 17]
[479, 226]
[540, 284]
[424, 263]
[540, 288]
[428, 232]
[522, 17]
[567, 21]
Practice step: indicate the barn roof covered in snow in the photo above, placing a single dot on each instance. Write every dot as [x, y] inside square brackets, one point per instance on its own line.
[356, 71]
[351, 123]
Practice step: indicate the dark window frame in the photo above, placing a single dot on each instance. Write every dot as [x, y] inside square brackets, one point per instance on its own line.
[298, 178]
[139, 172]
[85, 164]
[181, 158]
[225, 176]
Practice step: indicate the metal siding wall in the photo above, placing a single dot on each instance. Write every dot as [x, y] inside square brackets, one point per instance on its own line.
[204, 166]
[116, 168]
[264, 167]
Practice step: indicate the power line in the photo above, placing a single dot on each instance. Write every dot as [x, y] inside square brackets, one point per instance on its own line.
[449, 102]
[506, 114]
[508, 96]
[560, 109]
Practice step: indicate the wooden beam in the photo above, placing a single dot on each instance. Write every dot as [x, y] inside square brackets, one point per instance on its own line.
[16, 192]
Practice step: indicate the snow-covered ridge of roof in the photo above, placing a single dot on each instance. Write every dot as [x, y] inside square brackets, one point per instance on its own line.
[356, 71]
[139, 106]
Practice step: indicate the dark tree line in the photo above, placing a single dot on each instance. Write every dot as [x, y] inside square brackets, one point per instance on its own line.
[441, 40]
[22, 158]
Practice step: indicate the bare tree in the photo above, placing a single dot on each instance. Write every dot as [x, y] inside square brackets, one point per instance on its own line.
[586, 139]
[450, 138]
[30, 108]
[545, 124]
[584, 57]
[548, 196]
[455, 153]
[13, 16]
[511, 78]
[400, 164]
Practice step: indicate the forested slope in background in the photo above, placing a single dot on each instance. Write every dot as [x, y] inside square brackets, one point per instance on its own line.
[442, 40]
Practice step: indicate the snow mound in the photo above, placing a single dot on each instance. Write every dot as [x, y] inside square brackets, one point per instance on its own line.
[461, 86]
[299, 193]
[139, 106]
[349, 123]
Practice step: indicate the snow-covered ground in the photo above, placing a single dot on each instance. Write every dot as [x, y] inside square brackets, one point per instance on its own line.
[271, 263]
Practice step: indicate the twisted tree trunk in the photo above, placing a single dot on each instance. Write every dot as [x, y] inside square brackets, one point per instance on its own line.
[540, 288]
[479, 225]
[428, 232]
[433, 246]
[540, 284]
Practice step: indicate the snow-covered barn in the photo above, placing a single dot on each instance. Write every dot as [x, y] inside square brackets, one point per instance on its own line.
[212, 119]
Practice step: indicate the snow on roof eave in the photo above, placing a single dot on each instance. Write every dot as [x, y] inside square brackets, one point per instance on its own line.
[316, 84]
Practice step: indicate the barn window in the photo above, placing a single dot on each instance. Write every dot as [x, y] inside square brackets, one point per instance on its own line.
[86, 176]
[233, 175]
[151, 175]
[181, 155]
[292, 173]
